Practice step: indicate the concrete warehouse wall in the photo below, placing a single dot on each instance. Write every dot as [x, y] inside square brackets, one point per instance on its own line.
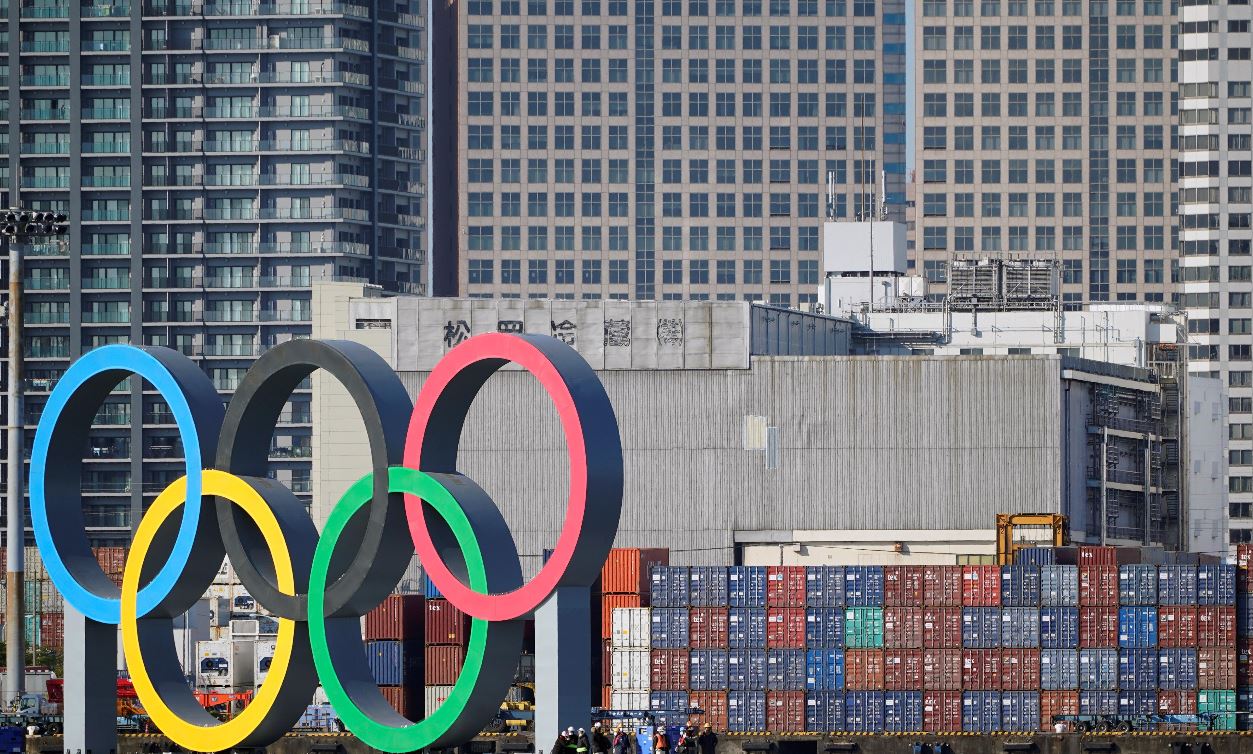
[862, 443]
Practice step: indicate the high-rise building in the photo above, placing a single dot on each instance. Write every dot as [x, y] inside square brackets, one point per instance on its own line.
[214, 157]
[659, 149]
[1216, 222]
[1043, 128]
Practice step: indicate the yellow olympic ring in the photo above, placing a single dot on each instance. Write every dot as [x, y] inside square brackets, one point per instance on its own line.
[207, 733]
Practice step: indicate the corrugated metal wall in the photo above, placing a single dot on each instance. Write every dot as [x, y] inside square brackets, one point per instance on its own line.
[863, 443]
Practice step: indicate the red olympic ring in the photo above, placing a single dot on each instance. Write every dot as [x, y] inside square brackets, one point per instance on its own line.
[463, 370]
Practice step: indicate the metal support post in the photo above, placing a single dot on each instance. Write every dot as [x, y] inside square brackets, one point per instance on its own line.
[90, 705]
[15, 536]
[563, 680]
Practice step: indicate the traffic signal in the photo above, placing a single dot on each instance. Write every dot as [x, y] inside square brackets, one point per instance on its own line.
[18, 223]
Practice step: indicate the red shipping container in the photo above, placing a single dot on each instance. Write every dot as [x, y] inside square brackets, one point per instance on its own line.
[1098, 627]
[609, 603]
[942, 627]
[1098, 555]
[942, 711]
[669, 669]
[1176, 626]
[1244, 663]
[942, 669]
[785, 586]
[942, 586]
[443, 664]
[399, 616]
[715, 705]
[446, 624]
[606, 660]
[981, 669]
[628, 569]
[981, 586]
[785, 711]
[863, 669]
[785, 627]
[1176, 702]
[402, 699]
[1216, 668]
[902, 669]
[1216, 626]
[707, 628]
[1020, 669]
[52, 629]
[902, 627]
[902, 586]
[1244, 555]
[1057, 703]
[1098, 585]
[606, 697]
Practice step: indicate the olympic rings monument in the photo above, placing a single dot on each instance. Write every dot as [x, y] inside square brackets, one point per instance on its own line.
[319, 585]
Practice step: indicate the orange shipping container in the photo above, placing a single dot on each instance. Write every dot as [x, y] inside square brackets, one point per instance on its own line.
[52, 629]
[981, 586]
[628, 570]
[863, 669]
[1216, 668]
[608, 603]
[669, 669]
[715, 705]
[446, 624]
[902, 669]
[1098, 585]
[942, 627]
[942, 711]
[707, 628]
[1244, 663]
[1057, 703]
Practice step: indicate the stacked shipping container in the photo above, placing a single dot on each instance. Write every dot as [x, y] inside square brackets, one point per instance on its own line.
[395, 632]
[625, 589]
[935, 648]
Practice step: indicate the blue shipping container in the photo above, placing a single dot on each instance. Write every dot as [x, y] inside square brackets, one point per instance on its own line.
[1059, 585]
[824, 586]
[981, 627]
[1020, 627]
[863, 712]
[707, 669]
[1216, 584]
[1176, 669]
[1098, 669]
[902, 711]
[746, 711]
[394, 663]
[746, 586]
[1036, 556]
[1020, 586]
[1244, 615]
[1059, 669]
[981, 711]
[1137, 702]
[668, 586]
[1137, 669]
[669, 627]
[824, 670]
[1137, 627]
[1176, 585]
[1098, 702]
[863, 586]
[669, 707]
[824, 711]
[429, 589]
[785, 669]
[1020, 711]
[1137, 584]
[746, 628]
[746, 670]
[707, 586]
[824, 627]
[1059, 627]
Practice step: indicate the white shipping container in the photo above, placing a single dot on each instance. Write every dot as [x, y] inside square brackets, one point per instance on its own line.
[435, 696]
[631, 628]
[225, 664]
[629, 700]
[263, 655]
[631, 669]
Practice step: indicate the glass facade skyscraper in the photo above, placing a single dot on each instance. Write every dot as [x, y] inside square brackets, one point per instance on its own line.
[662, 149]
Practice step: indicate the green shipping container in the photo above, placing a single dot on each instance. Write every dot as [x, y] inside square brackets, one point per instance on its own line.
[1222, 702]
[31, 629]
[32, 596]
[863, 627]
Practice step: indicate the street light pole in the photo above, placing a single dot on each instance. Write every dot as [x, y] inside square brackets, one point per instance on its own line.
[18, 227]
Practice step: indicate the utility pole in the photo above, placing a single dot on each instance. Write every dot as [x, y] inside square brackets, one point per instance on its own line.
[18, 227]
